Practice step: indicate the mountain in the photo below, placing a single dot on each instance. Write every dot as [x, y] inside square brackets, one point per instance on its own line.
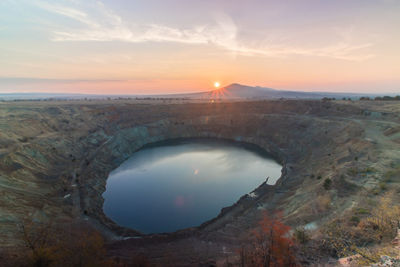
[235, 91]
[238, 91]
[230, 92]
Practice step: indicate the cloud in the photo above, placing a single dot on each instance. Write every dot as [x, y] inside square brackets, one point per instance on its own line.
[27, 80]
[69, 12]
[104, 25]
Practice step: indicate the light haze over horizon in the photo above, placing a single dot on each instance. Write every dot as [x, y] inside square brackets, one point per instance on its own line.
[182, 46]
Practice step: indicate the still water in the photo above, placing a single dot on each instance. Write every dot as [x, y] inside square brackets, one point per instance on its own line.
[179, 184]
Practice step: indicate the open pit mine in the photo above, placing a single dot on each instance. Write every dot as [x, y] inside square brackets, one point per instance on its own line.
[55, 157]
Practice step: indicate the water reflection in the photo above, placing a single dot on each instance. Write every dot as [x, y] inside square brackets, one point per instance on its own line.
[172, 186]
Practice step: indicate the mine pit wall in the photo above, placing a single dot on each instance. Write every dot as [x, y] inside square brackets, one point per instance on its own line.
[55, 157]
[287, 138]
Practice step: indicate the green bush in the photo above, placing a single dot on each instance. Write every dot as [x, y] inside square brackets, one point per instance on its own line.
[376, 191]
[327, 183]
[369, 170]
[382, 186]
[362, 211]
[355, 219]
[389, 175]
[301, 235]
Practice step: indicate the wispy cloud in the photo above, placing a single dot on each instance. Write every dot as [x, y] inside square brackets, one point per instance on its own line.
[27, 80]
[70, 13]
[105, 25]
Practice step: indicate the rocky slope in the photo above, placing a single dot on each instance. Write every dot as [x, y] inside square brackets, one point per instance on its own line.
[55, 158]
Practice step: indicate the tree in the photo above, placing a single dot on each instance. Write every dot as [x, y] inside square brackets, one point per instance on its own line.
[38, 238]
[51, 244]
[271, 245]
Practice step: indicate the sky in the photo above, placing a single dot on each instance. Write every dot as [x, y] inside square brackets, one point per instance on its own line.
[176, 46]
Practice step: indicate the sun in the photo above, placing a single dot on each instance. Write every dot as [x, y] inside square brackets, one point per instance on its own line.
[217, 84]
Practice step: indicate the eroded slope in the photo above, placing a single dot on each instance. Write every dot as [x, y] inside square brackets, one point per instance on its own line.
[55, 158]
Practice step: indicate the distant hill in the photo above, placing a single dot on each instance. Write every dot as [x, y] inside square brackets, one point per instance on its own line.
[238, 91]
[233, 91]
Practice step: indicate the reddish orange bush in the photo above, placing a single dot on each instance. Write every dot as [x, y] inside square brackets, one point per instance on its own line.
[271, 245]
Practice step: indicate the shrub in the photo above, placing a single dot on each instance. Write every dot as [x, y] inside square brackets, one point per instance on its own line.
[51, 244]
[269, 245]
[362, 211]
[369, 170]
[352, 171]
[375, 191]
[382, 186]
[322, 203]
[355, 219]
[301, 235]
[327, 184]
[389, 175]
[383, 222]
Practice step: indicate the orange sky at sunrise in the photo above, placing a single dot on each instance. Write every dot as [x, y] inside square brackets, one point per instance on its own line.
[176, 46]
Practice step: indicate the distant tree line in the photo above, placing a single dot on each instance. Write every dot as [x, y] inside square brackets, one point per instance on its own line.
[367, 98]
[381, 98]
